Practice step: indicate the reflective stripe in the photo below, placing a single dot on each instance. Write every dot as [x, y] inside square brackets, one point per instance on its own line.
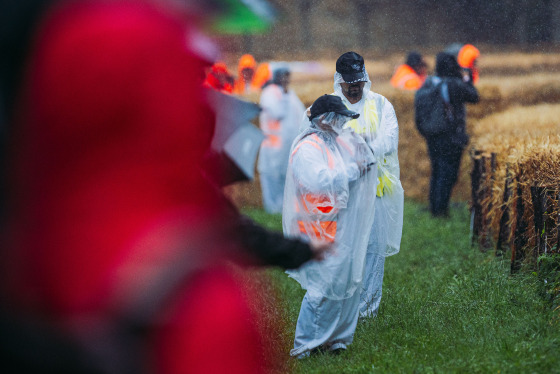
[385, 185]
[272, 141]
[326, 231]
[317, 205]
[271, 125]
[271, 128]
[372, 118]
[317, 144]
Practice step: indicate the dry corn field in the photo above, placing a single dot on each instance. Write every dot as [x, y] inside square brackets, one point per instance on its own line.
[516, 179]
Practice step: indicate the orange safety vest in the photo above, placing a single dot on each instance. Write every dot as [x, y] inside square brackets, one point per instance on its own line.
[245, 62]
[406, 78]
[271, 128]
[262, 75]
[317, 204]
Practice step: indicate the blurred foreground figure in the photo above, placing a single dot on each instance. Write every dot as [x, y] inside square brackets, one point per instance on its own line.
[331, 179]
[115, 237]
[410, 75]
[467, 56]
[440, 116]
[378, 126]
[279, 120]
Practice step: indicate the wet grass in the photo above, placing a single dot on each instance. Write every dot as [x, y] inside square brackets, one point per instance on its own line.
[446, 308]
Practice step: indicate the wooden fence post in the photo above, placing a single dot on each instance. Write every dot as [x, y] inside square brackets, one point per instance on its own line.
[539, 200]
[558, 221]
[550, 222]
[520, 238]
[476, 178]
[485, 239]
[505, 229]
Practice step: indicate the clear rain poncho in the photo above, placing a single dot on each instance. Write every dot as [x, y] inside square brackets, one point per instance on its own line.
[330, 182]
[378, 126]
[279, 120]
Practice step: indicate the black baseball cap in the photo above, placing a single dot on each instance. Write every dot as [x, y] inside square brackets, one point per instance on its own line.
[351, 66]
[330, 103]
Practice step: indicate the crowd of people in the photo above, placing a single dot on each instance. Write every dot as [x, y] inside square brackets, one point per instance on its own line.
[345, 154]
[117, 243]
[281, 109]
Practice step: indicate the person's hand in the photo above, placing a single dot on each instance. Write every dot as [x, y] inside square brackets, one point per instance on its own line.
[366, 163]
[467, 75]
[321, 249]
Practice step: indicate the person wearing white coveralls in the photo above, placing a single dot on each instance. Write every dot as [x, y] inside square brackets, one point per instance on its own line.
[378, 126]
[330, 180]
[279, 121]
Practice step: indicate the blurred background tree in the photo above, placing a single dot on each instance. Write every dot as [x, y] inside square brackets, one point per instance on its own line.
[317, 27]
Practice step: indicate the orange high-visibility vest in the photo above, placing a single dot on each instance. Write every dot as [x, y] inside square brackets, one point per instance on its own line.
[262, 75]
[385, 184]
[272, 128]
[245, 62]
[317, 204]
[406, 78]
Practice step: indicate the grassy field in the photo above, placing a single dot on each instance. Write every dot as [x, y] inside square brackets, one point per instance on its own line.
[446, 308]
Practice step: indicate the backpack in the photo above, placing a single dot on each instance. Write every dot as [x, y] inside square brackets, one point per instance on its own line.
[433, 113]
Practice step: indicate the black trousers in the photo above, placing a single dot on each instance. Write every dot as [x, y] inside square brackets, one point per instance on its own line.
[445, 159]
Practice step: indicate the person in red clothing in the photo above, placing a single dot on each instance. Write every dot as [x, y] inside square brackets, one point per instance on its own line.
[219, 78]
[108, 197]
[410, 75]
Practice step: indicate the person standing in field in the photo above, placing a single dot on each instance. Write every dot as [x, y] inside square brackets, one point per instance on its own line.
[331, 177]
[251, 77]
[455, 88]
[279, 121]
[219, 78]
[378, 126]
[410, 75]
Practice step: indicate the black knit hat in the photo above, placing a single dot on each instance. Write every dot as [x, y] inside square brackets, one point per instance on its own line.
[447, 66]
[351, 66]
[330, 103]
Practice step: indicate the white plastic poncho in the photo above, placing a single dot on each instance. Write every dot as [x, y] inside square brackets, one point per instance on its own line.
[328, 197]
[378, 125]
[279, 121]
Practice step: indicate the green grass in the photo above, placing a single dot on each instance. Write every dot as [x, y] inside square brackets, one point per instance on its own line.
[446, 308]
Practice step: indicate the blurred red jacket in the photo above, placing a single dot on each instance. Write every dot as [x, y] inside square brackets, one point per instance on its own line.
[107, 186]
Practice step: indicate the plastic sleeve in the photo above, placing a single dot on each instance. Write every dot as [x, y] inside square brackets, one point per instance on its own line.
[387, 140]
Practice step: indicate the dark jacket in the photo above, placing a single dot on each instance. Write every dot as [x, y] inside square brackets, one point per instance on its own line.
[460, 92]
